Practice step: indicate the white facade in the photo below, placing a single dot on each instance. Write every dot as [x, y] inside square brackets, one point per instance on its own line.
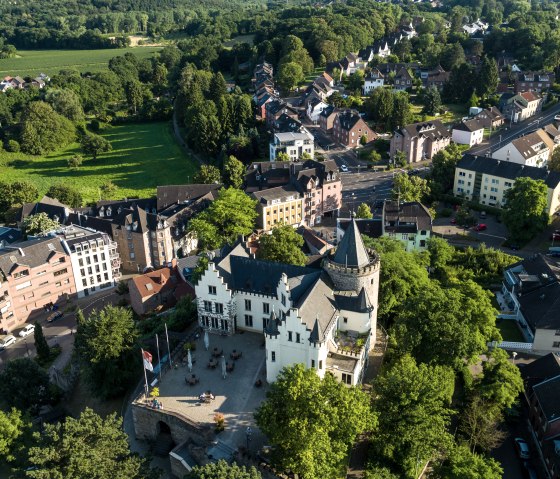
[372, 82]
[314, 110]
[94, 258]
[293, 144]
[538, 155]
[471, 138]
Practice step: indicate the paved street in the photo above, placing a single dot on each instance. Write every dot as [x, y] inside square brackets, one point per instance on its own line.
[518, 129]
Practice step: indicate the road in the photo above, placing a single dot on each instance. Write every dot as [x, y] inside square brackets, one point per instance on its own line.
[516, 130]
[59, 332]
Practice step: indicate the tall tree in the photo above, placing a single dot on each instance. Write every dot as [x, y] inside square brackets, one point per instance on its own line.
[222, 470]
[290, 75]
[93, 145]
[16, 194]
[443, 169]
[207, 175]
[88, 446]
[410, 188]
[12, 428]
[554, 161]
[66, 194]
[432, 100]
[526, 208]
[488, 78]
[218, 87]
[364, 211]
[134, 95]
[39, 224]
[41, 346]
[234, 172]
[106, 345]
[461, 463]
[283, 245]
[479, 423]
[67, 103]
[412, 405]
[312, 422]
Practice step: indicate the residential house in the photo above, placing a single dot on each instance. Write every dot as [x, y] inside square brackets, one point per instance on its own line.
[275, 109]
[326, 119]
[262, 71]
[408, 222]
[533, 149]
[534, 81]
[381, 49]
[403, 80]
[490, 118]
[314, 109]
[437, 77]
[520, 106]
[294, 144]
[531, 290]
[280, 205]
[349, 128]
[366, 55]
[374, 79]
[9, 236]
[476, 27]
[53, 208]
[541, 379]
[420, 141]
[287, 124]
[35, 275]
[468, 132]
[322, 318]
[94, 258]
[485, 180]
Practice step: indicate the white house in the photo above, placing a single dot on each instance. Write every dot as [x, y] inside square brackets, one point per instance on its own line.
[533, 149]
[314, 109]
[468, 132]
[294, 144]
[374, 79]
[94, 257]
[323, 318]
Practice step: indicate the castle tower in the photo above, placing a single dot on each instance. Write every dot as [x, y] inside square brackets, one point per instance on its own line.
[353, 267]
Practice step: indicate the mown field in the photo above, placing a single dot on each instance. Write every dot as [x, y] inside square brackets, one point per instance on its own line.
[143, 157]
[33, 62]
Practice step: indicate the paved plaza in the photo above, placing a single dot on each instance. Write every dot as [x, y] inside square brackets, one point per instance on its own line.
[236, 396]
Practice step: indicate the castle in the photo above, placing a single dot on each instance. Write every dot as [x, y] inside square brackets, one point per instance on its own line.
[323, 318]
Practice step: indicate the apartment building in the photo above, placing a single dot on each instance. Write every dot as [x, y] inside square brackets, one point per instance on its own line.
[94, 257]
[374, 79]
[420, 141]
[349, 128]
[534, 81]
[294, 144]
[486, 180]
[520, 106]
[280, 205]
[468, 132]
[34, 275]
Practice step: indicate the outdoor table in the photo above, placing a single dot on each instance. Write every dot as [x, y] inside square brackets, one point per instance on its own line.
[217, 352]
[230, 366]
[192, 379]
[235, 354]
[212, 363]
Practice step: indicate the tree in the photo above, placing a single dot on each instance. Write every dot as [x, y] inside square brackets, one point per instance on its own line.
[488, 78]
[399, 159]
[75, 162]
[66, 194]
[480, 425]
[441, 253]
[232, 214]
[526, 208]
[364, 211]
[234, 172]
[412, 405]
[200, 268]
[38, 225]
[11, 431]
[473, 100]
[93, 144]
[134, 95]
[453, 56]
[43, 130]
[443, 169]
[283, 245]
[282, 156]
[106, 345]
[218, 88]
[461, 463]
[16, 194]
[43, 349]
[207, 175]
[432, 100]
[554, 162]
[410, 188]
[89, 446]
[312, 421]
[222, 470]
[67, 103]
[290, 75]
[25, 385]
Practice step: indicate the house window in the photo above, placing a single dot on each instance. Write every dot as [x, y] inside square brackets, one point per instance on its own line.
[298, 338]
[219, 308]
[321, 364]
[21, 274]
[557, 333]
[273, 356]
[249, 320]
[290, 336]
[556, 344]
[346, 378]
[283, 300]
[313, 363]
[208, 306]
[211, 289]
[345, 320]
[132, 256]
[60, 271]
[247, 305]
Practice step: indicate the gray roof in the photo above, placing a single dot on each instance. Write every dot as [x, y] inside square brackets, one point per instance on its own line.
[350, 301]
[272, 325]
[548, 393]
[541, 369]
[351, 250]
[469, 125]
[173, 194]
[507, 169]
[32, 253]
[432, 129]
[407, 217]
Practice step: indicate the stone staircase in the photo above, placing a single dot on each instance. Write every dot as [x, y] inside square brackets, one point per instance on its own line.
[220, 450]
[163, 444]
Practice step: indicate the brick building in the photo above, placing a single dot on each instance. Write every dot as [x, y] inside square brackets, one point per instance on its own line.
[349, 128]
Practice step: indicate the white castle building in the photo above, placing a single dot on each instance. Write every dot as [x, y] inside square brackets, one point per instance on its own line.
[323, 318]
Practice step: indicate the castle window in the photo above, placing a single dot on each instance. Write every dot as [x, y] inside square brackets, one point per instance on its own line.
[298, 338]
[273, 356]
[345, 320]
[211, 289]
[283, 300]
[266, 308]
[219, 308]
[247, 305]
[249, 320]
[290, 336]
[320, 364]
[208, 306]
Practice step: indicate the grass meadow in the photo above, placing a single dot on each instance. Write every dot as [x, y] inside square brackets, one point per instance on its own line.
[144, 156]
[33, 62]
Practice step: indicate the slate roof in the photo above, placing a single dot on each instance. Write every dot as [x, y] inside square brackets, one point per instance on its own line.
[543, 368]
[348, 119]
[350, 301]
[351, 250]
[272, 325]
[93, 222]
[507, 169]
[172, 194]
[548, 393]
[10, 235]
[469, 125]
[280, 192]
[406, 217]
[431, 129]
[541, 307]
[370, 227]
[52, 207]
[36, 252]
[328, 111]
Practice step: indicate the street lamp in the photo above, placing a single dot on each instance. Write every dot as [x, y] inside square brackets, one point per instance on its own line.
[248, 434]
[514, 354]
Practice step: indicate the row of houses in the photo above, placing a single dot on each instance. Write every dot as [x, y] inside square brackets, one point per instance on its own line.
[19, 83]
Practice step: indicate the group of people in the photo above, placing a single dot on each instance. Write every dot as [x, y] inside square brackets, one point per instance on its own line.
[156, 404]
[206, 395]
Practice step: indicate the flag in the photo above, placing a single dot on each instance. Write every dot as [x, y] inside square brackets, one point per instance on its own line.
[147, 357]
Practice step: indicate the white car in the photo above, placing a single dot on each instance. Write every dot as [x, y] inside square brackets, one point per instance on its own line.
[344, 168]
[6, 341]
[557, 117]
[27, 330]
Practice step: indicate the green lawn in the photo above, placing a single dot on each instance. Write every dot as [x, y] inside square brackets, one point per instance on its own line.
[143, 157]
[454, 113]
[33, 62]
[509, 330]
[250, 39]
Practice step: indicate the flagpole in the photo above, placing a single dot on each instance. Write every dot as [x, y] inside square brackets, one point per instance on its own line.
[159, 359]
[145, 375]
[168, 350]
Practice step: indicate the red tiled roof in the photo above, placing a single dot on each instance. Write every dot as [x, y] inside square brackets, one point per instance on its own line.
[155, 282]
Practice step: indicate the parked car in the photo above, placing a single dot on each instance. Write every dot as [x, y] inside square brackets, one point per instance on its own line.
[483, 214]
[53, 317]
[453, 221]
[344, 168]
[27, 330]
[522, 448]
[480, 227]
[555, 236]
[7, 341]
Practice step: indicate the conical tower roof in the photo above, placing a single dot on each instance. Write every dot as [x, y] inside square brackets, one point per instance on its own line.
[351, 250]
[272, 325]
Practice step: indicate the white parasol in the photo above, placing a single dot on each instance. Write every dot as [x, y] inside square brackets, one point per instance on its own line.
[206, 340]
[189, 360]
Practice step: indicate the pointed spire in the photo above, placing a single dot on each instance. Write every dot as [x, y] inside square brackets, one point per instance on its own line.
[272, 325]
[351, 251]
[315, 336]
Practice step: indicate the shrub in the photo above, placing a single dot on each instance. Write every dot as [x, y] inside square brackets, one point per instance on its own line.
[75, 162]
[446, 212]
[13, 146]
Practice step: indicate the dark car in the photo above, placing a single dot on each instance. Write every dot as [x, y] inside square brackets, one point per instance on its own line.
[54, 316]
[522, 448]
[480, 227]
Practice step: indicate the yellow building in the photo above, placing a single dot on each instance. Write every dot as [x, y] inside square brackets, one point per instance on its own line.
[486, 180]
[281, 205]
